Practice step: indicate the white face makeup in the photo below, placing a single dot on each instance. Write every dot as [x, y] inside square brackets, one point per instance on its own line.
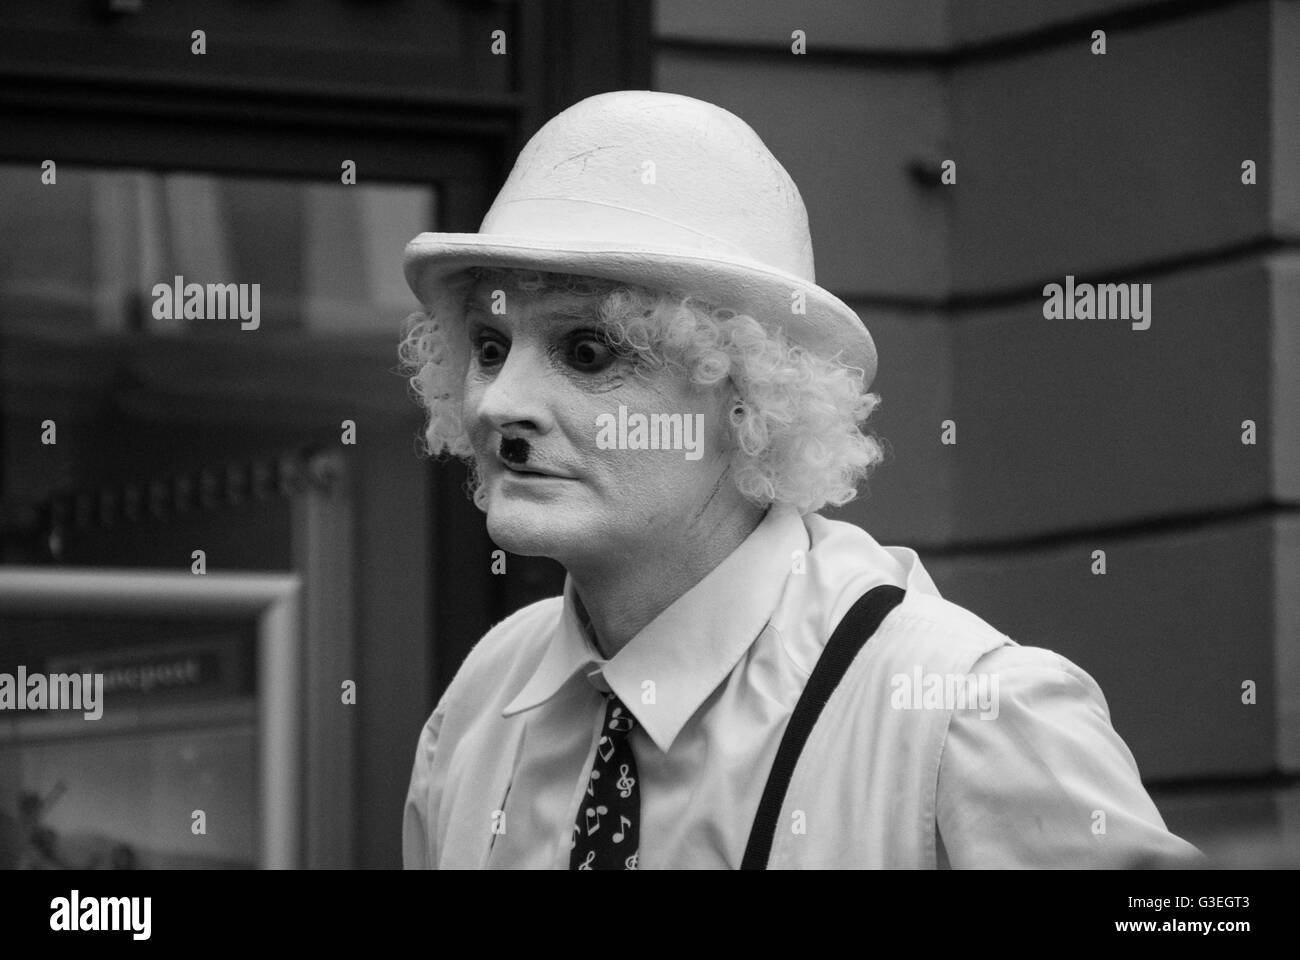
[543, 375]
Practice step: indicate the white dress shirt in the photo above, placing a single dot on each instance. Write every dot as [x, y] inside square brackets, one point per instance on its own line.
[1033, 777]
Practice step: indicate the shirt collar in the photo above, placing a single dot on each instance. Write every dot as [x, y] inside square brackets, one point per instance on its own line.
[918, 578]
[666, 671]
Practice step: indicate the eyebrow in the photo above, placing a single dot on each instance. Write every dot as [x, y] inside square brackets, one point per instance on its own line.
[585, 312]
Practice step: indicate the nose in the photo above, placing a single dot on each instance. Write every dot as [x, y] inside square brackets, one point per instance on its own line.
[513, 403]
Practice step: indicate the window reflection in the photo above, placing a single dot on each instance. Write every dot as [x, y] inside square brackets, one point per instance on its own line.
[86, 251]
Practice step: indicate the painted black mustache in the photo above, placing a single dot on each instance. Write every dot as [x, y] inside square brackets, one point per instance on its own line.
[514, 450]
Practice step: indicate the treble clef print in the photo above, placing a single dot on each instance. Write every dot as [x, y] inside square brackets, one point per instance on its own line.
[625, 783]
[586, 864]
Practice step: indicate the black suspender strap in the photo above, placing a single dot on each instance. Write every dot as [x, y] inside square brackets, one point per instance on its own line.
[849, 637]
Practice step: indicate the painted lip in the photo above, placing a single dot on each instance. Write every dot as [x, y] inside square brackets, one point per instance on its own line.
[531, 472]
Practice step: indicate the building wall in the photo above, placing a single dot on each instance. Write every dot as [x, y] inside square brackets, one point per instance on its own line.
[1072, 436]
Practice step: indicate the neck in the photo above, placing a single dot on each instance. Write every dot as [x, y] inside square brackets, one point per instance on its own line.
[618, 599]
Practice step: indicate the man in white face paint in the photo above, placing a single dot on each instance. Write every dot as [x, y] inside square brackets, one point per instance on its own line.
[652, 390]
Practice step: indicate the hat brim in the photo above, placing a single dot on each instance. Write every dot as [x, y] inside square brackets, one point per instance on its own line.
[827, 326]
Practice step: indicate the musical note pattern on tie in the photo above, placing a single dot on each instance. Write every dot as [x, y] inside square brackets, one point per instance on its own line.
[612, 797]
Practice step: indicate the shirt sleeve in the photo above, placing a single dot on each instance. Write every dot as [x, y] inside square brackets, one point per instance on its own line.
[1043, 780]
[419, 839]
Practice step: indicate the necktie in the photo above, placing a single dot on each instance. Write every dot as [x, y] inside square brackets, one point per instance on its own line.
[607, 833]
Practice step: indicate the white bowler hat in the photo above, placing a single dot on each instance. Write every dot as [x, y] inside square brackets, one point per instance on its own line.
[660, 190]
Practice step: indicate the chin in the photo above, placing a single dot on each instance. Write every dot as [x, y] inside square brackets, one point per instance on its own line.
[530, 529]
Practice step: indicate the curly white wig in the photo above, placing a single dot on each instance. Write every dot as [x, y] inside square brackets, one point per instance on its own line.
[797, 431]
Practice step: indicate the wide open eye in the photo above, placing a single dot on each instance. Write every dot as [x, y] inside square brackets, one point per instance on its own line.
[589, 352]
[489, 350]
